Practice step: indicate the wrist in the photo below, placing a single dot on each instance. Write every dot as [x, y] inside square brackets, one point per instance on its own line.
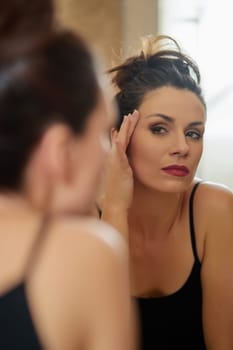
[117, 216]
[114, 207]
[116, 203]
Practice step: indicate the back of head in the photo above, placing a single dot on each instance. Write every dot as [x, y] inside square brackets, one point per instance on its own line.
[159, 63]
[47, 75]
[22, 24]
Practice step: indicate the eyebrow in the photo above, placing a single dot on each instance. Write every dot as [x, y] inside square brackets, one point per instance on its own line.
[172, 120]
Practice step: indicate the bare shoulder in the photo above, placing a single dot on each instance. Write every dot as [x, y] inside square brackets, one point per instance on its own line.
[214, 198]
[216, 210]
[213, 208]
[77, 247]
[82, 263]
[87, 247]
[78, 244]
[88, 232]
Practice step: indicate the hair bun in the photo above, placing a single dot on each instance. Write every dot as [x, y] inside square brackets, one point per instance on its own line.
[23, 23]
[128, 71]
[152, 48]
[154, 45]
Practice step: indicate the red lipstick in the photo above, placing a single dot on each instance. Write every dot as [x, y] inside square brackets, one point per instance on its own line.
[176, 170]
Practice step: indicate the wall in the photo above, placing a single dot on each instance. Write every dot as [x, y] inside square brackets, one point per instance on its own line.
[195, 28]
[138, 19]
[113, 26]
[99, 21]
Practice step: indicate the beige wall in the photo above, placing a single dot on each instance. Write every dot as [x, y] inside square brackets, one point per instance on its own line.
[98, 20]
[139, 18]
[114, 26]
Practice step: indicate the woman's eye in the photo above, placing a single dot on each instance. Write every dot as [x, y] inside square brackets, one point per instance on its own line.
[157, 129]
[194, 134]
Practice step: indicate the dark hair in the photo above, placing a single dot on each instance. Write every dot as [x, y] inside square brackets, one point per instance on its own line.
[155, 66]
[50, 78]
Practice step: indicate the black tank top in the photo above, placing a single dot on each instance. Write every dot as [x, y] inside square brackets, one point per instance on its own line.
[175, 321]
[17, 330]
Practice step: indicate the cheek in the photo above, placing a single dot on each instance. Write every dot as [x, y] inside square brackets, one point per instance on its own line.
[143, 158]
[198, 153]
[143, 148]
[136, 145]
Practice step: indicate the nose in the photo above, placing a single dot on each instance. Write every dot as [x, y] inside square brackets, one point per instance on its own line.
[180, 146]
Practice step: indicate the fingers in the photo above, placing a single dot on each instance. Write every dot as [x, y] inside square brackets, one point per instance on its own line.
[133, 122]
[123, 133]
[127, 128]
[118, 150]
[122, 158]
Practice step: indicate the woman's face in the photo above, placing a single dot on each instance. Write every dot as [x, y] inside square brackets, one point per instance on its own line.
[166, 146]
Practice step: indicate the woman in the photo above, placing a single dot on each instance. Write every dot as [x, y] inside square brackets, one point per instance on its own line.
[179, 229]
[63, 277]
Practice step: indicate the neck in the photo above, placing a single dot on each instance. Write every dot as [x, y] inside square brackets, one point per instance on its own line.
[155, 212]
[13, 204]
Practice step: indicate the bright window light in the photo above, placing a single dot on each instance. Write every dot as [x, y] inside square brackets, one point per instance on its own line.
[203, 28]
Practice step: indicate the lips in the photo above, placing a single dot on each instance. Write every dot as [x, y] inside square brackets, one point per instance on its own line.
[176, 170]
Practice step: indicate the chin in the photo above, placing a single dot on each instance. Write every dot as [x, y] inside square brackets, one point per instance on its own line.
[176, 185]
[168, 185]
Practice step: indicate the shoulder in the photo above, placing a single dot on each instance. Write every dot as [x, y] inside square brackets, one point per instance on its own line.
[78, 255]
[82, 265]
[214, 198]
[81, 240]
[86, 248]
[214, 210]
[85, 231]
[76, 248]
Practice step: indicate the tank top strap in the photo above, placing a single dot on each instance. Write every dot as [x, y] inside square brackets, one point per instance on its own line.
[191, 221]
[37, 244]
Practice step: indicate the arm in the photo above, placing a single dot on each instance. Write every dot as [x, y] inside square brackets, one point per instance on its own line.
[217, 271]
[118, 189]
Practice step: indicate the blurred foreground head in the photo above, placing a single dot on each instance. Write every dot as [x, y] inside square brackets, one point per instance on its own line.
[53, 111]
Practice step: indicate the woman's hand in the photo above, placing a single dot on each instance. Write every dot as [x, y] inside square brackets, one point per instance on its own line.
[118, 186]
[118, 181]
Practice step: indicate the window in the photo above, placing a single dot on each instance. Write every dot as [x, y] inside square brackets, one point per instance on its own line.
[203, 29]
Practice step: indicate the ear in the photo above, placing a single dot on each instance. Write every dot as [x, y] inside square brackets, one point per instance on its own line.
[54, 152]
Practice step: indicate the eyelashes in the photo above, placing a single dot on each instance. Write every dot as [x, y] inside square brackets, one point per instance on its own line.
[159, 129]
[195, 135]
